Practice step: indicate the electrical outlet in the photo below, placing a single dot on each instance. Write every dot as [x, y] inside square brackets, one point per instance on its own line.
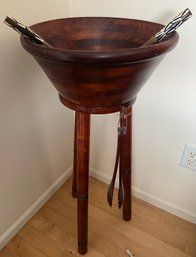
[188, 159]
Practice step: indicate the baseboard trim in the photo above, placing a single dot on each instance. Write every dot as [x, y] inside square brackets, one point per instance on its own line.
[152, 199]
[14, 229]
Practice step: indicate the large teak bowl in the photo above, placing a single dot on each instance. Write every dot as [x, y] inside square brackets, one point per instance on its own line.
[97, 61]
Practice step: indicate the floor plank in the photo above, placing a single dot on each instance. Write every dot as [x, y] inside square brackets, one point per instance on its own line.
[152, 232]
[6, 252]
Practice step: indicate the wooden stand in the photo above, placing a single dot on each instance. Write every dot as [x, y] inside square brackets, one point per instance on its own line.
[81, 165]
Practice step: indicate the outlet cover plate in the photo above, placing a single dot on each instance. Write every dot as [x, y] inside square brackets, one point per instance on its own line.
[188, 159]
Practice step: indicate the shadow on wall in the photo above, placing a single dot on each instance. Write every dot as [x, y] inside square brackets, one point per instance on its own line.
[23, 132]
[36, 133]
[31, 121]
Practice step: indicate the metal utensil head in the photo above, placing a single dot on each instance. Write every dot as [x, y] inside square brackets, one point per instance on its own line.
[174, 24]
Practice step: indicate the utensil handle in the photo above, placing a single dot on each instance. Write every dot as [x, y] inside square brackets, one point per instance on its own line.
[169, 28]
[25, 31]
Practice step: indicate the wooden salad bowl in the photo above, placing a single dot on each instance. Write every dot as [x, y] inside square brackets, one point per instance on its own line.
[97, 61]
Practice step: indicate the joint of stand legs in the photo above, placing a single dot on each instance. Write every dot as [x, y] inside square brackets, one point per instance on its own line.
[82, 197]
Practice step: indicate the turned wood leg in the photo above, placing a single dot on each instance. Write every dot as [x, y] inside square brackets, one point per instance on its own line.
[74, 178]
[125, 166]
[82, 169]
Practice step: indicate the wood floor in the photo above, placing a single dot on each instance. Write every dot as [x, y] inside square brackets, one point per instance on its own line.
[151, 233]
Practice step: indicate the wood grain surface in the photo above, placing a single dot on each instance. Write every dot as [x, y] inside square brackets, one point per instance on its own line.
[98, 61]
[152, 232]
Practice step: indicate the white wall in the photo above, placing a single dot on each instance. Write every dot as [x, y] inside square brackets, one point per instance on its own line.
[35, 129]
[164, 114]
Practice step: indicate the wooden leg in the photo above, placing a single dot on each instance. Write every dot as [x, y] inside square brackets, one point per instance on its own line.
[74, 178]
[82, 169]
[125, 166]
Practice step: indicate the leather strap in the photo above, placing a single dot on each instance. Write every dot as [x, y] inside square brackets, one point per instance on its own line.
[121, 135]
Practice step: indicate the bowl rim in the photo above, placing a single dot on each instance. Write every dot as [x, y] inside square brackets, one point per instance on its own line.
[124, 55]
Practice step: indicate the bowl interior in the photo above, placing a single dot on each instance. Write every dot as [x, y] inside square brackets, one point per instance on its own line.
[96, 33]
